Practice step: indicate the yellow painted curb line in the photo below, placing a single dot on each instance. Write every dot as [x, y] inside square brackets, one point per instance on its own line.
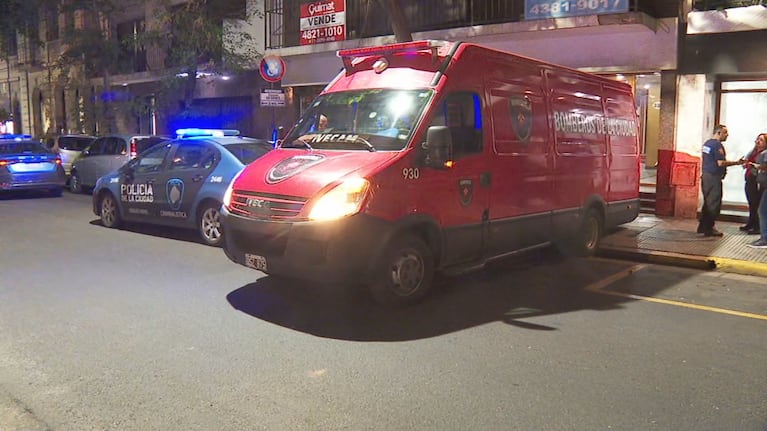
[721, 264]
[745, 267]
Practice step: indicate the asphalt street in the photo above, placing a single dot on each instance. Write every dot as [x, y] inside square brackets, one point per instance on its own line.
[145, 328]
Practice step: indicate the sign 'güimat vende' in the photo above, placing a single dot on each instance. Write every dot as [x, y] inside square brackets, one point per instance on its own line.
[323, 21]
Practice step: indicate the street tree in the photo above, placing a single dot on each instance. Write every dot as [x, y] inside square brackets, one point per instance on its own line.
[91, 48]
[398, 20]
[200, 38]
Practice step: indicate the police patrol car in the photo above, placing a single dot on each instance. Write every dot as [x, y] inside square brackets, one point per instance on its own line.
[180, 182]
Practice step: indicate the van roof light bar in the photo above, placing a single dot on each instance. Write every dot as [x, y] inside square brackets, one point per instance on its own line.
[347, 55]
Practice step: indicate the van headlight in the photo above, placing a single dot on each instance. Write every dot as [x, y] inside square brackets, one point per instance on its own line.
[342, 200]
[228, 193]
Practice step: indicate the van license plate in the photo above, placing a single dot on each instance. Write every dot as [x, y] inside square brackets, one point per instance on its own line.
[255, 261]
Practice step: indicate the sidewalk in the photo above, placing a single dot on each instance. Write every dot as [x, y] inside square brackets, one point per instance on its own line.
[673, 241]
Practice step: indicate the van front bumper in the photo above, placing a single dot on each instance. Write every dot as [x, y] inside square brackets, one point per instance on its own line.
[334, 251]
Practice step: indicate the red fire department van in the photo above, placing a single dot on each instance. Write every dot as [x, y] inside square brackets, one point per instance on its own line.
[437, 156]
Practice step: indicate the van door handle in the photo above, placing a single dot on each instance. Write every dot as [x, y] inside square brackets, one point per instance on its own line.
[484, 179]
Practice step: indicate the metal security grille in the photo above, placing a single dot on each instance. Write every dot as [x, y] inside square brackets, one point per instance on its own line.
[369, 18]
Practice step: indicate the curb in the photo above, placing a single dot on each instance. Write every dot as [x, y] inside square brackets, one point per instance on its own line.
[711, 263]
[659, 257]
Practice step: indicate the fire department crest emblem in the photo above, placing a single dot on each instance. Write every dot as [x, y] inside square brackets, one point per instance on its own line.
[521, 111]
[174, 190]
[465, 191]
[291, 166]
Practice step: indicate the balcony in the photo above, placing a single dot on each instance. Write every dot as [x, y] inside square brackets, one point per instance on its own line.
[370, 19]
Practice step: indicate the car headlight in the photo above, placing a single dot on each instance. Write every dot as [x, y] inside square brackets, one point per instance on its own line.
[343, 200]
[228, 193]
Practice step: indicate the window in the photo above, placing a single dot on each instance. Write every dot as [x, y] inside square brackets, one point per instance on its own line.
[152, 160]
[52, 25]
[462, 113]
[192, 156]
[97, 147]
[114, 146]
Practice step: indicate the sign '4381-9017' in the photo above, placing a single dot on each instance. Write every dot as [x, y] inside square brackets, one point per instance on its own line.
[323, 21]
[541, 9]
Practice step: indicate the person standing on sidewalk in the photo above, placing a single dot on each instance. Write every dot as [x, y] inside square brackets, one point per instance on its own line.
[714, 167]
[753, 191]
[761, 179]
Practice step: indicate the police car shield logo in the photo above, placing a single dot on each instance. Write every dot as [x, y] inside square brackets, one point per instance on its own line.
[174, 190]
[291, 166]
[465, 191]
[521, 111]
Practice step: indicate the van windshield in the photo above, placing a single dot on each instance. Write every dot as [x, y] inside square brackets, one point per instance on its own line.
[372, 120]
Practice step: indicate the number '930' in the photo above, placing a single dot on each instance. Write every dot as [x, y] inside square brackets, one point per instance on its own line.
[411, 173]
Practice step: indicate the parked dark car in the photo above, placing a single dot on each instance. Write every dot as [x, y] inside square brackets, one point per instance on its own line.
[106, 154]
[26, 164]
[178, 183]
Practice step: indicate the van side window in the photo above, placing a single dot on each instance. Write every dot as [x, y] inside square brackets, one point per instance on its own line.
[461, 112]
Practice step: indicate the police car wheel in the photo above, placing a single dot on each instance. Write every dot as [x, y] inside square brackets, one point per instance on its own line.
[209, 222]
[405, 272]
[74, 183]
[110, 215]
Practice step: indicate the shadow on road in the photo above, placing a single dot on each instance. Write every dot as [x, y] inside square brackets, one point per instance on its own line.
[510, 292]
[6, 195]
[167, 232]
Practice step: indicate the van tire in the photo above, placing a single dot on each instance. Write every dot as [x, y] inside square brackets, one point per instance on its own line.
[209, 224]
[585, 241]
[109, 211]
[405, 272]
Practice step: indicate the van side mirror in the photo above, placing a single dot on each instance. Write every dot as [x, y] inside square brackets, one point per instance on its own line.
[435, 151]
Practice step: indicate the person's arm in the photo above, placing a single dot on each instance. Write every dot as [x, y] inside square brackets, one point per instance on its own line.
[728, 163]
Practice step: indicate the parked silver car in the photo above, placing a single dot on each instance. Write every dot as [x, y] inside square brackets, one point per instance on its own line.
[69, 147]
[106, 154]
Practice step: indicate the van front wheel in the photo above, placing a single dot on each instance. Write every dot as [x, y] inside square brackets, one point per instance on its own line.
[405, 273]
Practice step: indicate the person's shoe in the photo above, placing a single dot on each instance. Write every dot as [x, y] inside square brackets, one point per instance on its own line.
[713, 232]
[753, 231]
[760, 243]
[745, 228]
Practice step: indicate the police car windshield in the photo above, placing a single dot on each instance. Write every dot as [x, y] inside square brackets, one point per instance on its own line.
[365, 120]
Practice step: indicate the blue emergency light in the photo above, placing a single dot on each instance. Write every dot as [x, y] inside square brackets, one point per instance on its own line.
[192, 132]
[15, 137]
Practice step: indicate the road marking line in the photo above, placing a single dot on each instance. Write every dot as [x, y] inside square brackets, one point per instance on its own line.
[601, 284]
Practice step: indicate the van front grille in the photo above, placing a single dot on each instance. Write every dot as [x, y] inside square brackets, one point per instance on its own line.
[266, 206]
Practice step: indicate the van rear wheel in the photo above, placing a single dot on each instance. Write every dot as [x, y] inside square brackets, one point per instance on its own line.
[586, 239]
[405, 273]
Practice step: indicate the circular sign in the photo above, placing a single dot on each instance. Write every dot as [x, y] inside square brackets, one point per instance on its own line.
[272, 68]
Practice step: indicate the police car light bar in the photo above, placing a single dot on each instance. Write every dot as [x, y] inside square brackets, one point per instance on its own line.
[348, 54]
[191, 132]
[15, 137]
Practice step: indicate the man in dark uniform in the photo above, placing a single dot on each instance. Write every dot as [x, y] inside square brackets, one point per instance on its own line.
[714, 167]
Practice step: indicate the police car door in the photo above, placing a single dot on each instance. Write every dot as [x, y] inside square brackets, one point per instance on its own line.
[139, 188]
[189, 167]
